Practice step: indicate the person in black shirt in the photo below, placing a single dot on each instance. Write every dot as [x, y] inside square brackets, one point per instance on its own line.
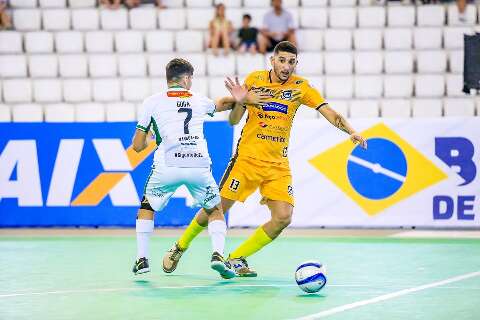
[248, 36]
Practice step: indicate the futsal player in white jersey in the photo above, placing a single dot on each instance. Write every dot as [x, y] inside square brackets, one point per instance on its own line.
[176, 118]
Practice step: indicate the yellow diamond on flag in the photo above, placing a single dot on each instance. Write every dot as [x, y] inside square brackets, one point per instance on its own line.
[389, 171]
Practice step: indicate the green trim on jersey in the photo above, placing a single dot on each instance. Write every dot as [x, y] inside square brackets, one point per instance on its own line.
[158, 138]
[142, 128]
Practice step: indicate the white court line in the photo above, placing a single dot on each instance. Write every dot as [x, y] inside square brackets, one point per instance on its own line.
[385, 297]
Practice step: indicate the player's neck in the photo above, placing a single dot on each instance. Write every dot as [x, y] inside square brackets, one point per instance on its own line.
[175, 85]
[274, 78]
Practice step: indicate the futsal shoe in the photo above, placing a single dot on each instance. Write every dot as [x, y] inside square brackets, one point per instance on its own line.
[223, 267]
[241, 267]
[141, 266]
[171, 258]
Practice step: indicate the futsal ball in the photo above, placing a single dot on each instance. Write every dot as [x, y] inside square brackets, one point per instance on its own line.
[311, 276]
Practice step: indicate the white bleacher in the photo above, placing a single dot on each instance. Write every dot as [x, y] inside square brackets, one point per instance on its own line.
[10, 42]
[129, 41]
[120, 112]
[142, 18]
[338, 39]
[132, 65]
[368, 62]
[56, 19]
[401, 16]
[29, 112]
[172, 19]
[135, 89]
[431, 16]
[339, 62]
[73, 66]
[398, 39]
[342, 17]
[313, 18]
[81, 3]
[17, 90]
[431, 61]
[189, 41]
[43, 66]
[398, 62]
[13, 66]
[364, 108]
[53, 3]
[99, 42]
[23, 3]
[470, 14]
[368, 86]
[427, 38]
[422, 108]
[85, 19]
[102, 65]
[106, 90]
[367, 39]
[59, 112]
[27, 19]
[220, 65]
[374, 17]
[459, 107]
[77, 90]
[396, 108]
[69, 42]
[39, 42]
[5, 113]
[90, 112]
[114, 19]
[47, 90]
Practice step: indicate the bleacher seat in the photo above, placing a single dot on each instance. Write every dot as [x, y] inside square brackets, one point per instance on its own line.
[313, 18]
[341, 106]
[453, 37]
[431, 62]
[216, 88]
[309, 63]
[47, 90]
[336, 39]
[43, 66]
[39, 42]
[422, 108]
[470, 14]
[13, 66]
[198, 61]
[229, 3]
[368, 86]
[428, 85]
[106, 90]
[135, 89]
[367, 39]
[56, 19]
[455, 85]
[27, 113]
[397, 38]
[398, 62]
[258, 14]
[27, 19]
[5, 113]
[317, 82]
[189, 41]
[339, 87]
[199, 19]
[81, 3]
[59, 112]
[398, 86]
[256, 3]
[53, 3]
[478, 106]
[455, 59]
[99, 42]
[143, 18]
[90, 112]
[338, 62]
[200, 85]
[69, 42]
[364, 109]
[401, 16]
[159, 41]
[198, 3]
[430, 15]
[246, 63]
[73, 66]
[102, 65]
[304, 112]
[220, 65]
[157, 63]
[342, 17]
[77, 90]
[172, 19]
[114, 19]
[120, 112]
[427, 38]
[395, 108]
[132, 65]
[85, 19]
[374, 17]
[23, 3]
[173, 3]
[158, 85]
[17, 90]
[309, 40]
[460, 107]
[368, 62]
[129, 41]
[10, 42]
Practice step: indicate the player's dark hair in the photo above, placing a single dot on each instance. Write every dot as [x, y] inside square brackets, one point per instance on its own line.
[249, 17]
[177, 68]
[285, 46]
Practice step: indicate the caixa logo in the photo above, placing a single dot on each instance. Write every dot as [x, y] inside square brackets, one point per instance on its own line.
[21, 169]
[457, 153]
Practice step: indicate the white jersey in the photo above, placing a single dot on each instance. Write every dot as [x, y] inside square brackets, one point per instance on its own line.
[176, 116]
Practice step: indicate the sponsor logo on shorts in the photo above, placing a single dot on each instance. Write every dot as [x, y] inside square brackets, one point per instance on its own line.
[271, 138]
[184, 155]
[276, 107]
[157, 192]
[210, 194]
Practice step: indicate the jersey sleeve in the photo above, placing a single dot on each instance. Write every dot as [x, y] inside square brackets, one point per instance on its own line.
[209, 106]
[312, 98]
[249, 80]
[146, 117]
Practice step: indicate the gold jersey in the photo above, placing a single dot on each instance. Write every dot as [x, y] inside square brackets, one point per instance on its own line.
[266, 133]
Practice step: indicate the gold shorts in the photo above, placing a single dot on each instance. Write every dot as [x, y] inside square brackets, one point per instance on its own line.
[244, 175]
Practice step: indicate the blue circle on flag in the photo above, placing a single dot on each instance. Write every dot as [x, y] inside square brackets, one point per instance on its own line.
[379, 171]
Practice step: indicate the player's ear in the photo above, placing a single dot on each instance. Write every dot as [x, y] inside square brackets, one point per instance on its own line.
[272, 59]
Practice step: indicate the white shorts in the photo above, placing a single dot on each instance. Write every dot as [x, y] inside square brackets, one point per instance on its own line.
[164, 181]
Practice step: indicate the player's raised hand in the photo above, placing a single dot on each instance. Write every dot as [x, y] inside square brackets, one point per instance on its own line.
[238, 92]
[257, 98]
[356, 138]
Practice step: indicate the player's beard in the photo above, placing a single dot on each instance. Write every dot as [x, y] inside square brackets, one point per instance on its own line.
[283, 76]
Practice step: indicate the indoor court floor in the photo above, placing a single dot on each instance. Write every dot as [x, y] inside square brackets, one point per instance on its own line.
[86, 274]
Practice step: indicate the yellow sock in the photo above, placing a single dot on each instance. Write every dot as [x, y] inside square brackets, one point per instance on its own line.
[189, 234]
[257, 241]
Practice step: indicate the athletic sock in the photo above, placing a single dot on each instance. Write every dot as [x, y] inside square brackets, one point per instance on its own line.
[144, 229]
[217, 230]
[255, 242]
[189, 234]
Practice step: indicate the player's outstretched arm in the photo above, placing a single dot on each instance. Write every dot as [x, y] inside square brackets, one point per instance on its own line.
[224, 104]
[236, 114]
[139, 141]
[341, 123]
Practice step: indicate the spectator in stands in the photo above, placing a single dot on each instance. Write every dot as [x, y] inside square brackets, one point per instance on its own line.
[278, 26]
[220, 30]
[462, 5]
[5, 21]
[135, 3]
[249, 38]
[110, 4]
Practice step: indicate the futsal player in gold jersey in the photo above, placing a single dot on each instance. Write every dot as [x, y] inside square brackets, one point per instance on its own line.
[271, 99]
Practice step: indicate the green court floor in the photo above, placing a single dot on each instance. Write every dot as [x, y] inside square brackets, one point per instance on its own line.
[90, 278]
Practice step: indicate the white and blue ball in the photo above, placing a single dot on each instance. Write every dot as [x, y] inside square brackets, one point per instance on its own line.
[311, 276]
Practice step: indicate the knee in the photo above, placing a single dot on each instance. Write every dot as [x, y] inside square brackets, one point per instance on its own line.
[283, 221]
